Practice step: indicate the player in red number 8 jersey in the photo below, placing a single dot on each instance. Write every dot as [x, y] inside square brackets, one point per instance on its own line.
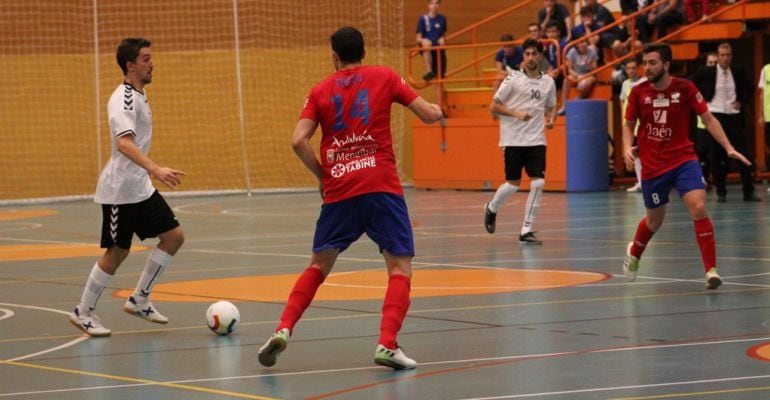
[359, 185]
[663, 106]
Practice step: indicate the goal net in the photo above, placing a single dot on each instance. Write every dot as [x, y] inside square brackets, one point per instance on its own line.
[230, 79]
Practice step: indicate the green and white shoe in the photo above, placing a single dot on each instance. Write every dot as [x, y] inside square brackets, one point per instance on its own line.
[269, 352]
[630, 264]
[395, 359]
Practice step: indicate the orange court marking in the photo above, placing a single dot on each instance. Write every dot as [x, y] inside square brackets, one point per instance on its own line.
[761, 352]
[11, 215]
[21, 252]
[371, 284]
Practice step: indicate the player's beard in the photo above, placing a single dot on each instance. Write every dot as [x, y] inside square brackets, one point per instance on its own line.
[656, 77]
[147, 78]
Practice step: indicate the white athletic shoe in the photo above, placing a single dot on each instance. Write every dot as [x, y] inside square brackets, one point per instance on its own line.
[269, 352]
[89, 324]
[630, 264]
[395, 359]
[713, 280]
[144, 311]
[635, 189]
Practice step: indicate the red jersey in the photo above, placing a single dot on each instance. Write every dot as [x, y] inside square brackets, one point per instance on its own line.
[664, 124]
[353, 108]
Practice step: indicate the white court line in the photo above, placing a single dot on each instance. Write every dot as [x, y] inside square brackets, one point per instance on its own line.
[6, 313]
[52, 349]
[463, 361]
[615, 388]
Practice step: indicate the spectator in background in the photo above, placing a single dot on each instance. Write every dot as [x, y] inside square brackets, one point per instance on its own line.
[689, 9]
[588, 25]
[507, 58]
[628, 7]
[603, 17]
[631, 68]
[661, 18]
[580, 61]
[727, 88]
[534, 32]
[431, 28]
[553, 11]
[552, 53]
[764, 94]
[701, 138]
[626, 38]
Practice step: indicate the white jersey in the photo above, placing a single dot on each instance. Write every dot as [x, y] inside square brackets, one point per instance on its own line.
[122, 181]
[519, 92]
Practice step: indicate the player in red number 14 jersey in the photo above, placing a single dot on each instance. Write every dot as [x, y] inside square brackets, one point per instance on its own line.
[359, 185]
[663, 106]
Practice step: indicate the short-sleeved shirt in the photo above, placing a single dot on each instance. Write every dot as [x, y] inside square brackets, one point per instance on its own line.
[122, 181]
[432, 28]
[582, 63]
[352, 106]
[511, 61]
[560, 13]
[664, 124]
[519, 92]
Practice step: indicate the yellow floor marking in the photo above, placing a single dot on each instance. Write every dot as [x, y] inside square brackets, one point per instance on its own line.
[11, 215]
[371, 284]
[21, 252]
[136, 380]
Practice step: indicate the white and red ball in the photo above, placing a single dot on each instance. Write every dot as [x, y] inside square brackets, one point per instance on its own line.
[222, 317]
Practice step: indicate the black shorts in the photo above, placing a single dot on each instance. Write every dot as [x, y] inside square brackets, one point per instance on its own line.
[434, 60]
[148, 218]
[531, 158]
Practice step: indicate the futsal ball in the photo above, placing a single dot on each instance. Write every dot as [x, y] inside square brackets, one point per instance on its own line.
[222, 317]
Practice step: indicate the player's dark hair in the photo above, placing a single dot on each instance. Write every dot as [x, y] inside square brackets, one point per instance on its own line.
[128, 51]
[506, 37]
[532, 43]
[348, 43]
[661, 48]
[586, 11]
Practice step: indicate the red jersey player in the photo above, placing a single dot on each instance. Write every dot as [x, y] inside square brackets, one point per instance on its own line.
[359, 185]
[663, 106]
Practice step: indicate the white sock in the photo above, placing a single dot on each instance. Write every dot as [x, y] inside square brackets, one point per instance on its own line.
[533, 205]
[157, 262]
[97, 281]
[501, 195]
[638, 170]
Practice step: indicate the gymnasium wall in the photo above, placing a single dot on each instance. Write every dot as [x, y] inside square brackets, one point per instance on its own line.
[224, 103]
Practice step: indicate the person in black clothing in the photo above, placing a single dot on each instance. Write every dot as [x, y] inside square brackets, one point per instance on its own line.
[727, 88]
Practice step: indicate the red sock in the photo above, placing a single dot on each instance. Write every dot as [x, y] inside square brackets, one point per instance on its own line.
[301, 295]
[704, 233]
[642, 237]
[394, 309]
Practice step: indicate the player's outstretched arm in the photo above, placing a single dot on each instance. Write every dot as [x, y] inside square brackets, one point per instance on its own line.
[718, 133]
[168, 176]
[300, 142]
[426, 112]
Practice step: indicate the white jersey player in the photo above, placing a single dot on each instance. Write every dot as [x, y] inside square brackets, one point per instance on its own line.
[526, 104]
[130, 204]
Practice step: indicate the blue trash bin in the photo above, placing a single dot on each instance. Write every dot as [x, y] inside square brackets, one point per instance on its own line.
[587, 161]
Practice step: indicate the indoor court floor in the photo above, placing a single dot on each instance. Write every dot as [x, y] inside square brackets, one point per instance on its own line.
[489, 319]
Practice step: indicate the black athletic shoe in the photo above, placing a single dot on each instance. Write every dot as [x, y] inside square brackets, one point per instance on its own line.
[529, 238]
[489, 219]
[430, 75]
